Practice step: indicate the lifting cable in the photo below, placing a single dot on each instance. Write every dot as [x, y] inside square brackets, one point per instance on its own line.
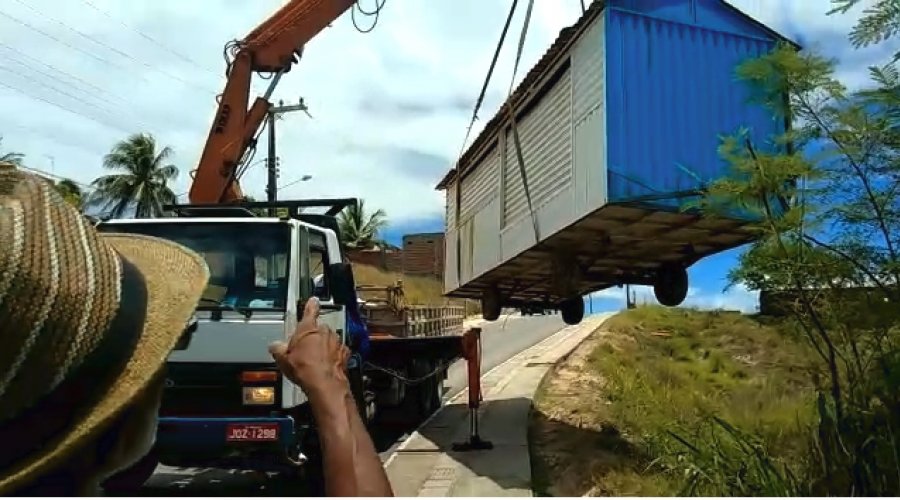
[374, 13]
[478, 103]
[515, 130]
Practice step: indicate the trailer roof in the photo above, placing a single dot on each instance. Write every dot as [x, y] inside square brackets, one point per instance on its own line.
[567, 36]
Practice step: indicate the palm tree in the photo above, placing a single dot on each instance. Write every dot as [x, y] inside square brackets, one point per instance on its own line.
[11, 157]
[358, 229]
[143, 183]
[70, 191]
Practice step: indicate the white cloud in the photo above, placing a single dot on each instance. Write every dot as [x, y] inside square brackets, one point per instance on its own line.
[390, 107]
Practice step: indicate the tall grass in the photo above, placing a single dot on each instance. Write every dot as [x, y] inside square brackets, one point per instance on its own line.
[712, 401]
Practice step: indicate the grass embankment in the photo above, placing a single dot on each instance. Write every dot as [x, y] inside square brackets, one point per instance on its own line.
[420, 290]
[635, 410]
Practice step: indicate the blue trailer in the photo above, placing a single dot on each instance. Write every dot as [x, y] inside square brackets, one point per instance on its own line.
[618, 126]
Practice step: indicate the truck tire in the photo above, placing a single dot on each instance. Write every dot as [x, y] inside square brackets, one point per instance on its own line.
[132, 478]
[431, 396]
[671, 285]
[572, 310]
[490, 305]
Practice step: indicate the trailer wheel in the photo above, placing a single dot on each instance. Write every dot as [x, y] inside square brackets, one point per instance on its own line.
[671, 285]
[490, 305]
[572, 310]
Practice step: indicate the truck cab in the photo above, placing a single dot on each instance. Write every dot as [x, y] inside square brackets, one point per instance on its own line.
[225, 404]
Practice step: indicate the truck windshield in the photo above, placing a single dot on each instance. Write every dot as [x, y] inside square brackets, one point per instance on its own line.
[247, 271]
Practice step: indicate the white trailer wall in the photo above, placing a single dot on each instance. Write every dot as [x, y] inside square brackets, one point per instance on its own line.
[564, 149]
[545, 135]
[451, 280]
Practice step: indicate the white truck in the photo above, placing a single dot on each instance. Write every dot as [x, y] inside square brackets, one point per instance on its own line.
[225, 404]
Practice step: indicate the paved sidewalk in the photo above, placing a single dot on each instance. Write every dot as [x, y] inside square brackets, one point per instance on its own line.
[426, 465]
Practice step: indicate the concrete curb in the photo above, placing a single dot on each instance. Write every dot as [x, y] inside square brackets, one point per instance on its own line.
[422, 464]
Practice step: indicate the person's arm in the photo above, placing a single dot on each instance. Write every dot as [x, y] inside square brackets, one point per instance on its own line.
[315, 360]
[371, 479]
[338, 441]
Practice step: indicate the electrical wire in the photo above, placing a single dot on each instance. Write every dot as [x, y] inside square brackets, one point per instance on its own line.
[113, 49]
[86, 187]
[24, 58]
[64, 108]
[151, 39]
[62, 42]
[82, 100]
[57, 90]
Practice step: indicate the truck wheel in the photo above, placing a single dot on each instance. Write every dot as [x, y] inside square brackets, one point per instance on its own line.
[572, 310]
[671, 285]
[134, 477]
[490, 305]
[432, 401]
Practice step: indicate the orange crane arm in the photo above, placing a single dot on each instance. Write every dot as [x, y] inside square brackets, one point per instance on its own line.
[273, 47]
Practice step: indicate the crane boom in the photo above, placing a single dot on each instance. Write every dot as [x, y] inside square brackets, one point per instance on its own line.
[272, 47]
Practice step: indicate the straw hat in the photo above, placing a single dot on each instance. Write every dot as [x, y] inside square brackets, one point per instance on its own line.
[86, 320]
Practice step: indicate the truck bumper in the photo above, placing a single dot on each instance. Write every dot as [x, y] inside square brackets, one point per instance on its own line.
[202, 442]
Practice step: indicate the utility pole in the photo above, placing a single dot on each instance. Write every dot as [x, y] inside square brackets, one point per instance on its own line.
[275, 113]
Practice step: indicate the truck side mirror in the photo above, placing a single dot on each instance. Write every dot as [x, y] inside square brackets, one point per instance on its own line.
[343, 288]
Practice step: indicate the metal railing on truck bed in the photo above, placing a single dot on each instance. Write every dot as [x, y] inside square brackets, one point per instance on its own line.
[387, 313]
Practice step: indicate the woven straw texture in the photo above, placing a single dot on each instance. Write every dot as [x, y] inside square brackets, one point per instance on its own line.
[59, 290]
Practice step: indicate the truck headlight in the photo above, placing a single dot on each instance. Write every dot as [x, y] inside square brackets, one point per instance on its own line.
[259, 395]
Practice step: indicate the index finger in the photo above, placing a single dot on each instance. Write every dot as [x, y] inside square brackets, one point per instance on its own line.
[310, 318]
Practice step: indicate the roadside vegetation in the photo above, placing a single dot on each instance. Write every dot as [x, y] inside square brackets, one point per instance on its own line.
[651, 406]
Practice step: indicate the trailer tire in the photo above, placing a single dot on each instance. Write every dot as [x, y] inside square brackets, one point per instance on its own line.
[572, 310]
[490, 305]
[671, 285]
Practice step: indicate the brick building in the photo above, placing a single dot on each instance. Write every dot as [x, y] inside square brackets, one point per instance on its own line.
[423, 253]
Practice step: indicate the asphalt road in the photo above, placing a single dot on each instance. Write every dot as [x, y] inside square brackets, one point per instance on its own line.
[501, 340]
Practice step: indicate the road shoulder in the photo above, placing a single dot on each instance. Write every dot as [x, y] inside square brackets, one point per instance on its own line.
[426, 465]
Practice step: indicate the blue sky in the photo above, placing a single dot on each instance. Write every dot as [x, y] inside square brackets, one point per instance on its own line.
[389, 108]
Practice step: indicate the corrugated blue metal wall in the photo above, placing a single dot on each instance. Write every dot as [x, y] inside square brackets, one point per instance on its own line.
[672, 92]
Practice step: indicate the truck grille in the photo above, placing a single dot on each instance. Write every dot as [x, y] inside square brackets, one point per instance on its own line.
[210, 390]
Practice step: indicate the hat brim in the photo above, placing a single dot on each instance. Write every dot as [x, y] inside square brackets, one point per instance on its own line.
[175, 279]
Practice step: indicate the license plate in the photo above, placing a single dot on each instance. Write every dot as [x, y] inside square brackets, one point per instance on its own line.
[251, 432]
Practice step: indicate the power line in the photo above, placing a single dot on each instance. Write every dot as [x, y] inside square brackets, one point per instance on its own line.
[108, 113]
[44, 173]
[88, 94]
[64, 108]
[55, 137]
[53, 68]
[151, 39]
[67, 44]
[59, 91]
[113, 49]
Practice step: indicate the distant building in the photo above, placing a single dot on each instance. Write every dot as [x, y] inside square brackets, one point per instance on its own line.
[423, 253]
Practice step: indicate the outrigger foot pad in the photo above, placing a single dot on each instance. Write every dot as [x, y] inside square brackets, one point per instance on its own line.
[474, 443]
